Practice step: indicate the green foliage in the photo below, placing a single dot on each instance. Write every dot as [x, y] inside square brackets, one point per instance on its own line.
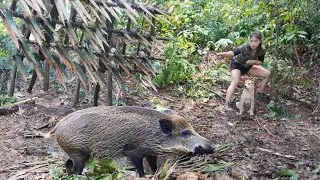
[288, 173]
[5, 99]
[218, 166]
[104, 170]
[177, 70]
[276, 110]
[203, 83]
[98, 170]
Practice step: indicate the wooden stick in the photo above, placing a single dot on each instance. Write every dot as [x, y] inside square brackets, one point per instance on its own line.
[277, 154]
[25, 171]
[268, 131]
[18, 103]
[24, 165]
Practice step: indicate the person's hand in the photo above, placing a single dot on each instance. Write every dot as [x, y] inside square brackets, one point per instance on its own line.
[220, 55]
[253, 62]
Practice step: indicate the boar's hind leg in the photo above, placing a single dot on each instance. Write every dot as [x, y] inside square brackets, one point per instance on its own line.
[79, 160]
[152, 161]
[69, 165]
[138, 164]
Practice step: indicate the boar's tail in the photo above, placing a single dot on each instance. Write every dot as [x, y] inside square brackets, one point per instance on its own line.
[48, 135]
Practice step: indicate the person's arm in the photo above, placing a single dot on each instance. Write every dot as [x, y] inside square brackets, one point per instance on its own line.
[226, 54]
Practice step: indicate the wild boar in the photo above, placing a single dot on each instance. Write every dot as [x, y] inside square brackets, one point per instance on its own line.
[125, 131]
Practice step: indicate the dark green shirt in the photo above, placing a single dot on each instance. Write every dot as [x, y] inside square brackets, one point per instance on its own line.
[243, 53]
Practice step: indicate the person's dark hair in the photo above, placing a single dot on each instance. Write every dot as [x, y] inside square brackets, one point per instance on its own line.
[257, 35]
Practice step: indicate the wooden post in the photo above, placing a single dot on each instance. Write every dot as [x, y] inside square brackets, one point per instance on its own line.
[33, 81]
[76, 93]
[13, 76]
[46, 76]
[96, 95]
[109, 89]
[103, 69]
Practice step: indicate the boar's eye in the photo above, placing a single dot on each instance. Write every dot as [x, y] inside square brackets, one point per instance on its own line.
[186, 133]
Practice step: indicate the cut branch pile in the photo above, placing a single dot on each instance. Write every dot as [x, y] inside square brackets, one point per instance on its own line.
[87, 29]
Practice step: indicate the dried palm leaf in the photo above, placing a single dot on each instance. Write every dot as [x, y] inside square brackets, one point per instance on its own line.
[112, 12]
[41, 4]
[146, 10]
[48, 26]
[144, 40]
[62, 11]
[146, 17]
[11, 27]
[30, 57]
[36, 27]
[36, 6]
[62, 53]
[104, 12]
[129, 8]
[130, 16]
[115, 72]
[25, 7]
[148, 62]
[71, 34]
[141, 66]
[22, 69]
[95, 13]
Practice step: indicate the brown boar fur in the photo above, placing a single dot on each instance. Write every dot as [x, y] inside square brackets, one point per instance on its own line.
[134, 132]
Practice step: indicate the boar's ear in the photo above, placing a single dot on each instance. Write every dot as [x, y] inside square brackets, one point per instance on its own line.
[166, 126]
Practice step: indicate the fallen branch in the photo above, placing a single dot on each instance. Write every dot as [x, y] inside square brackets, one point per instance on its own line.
[34, 134]
[18, 103]
[25, 171]
[278, 154]
[10, 110]
[43, 126]
[268, 131]
[24, 165]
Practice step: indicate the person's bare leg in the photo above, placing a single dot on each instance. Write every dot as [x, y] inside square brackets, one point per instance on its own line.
[235, 78]
[259, 71]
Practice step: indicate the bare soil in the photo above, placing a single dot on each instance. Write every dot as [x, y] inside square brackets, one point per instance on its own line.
[260, 147]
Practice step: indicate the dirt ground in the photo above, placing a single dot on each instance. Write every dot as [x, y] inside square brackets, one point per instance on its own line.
[260, 147]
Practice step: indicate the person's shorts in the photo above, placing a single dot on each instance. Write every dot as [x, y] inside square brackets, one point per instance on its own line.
[236, 65]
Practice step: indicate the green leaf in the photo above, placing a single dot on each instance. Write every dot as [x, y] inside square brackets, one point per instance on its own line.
[290, 37]
[288, 173]
[297, 116]
[303, 32]
[302, 36]
[220, 165]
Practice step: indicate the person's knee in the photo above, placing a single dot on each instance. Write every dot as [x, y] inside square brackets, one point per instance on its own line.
[235, 82]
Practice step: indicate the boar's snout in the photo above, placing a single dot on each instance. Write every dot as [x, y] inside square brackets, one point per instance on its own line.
[205, 150]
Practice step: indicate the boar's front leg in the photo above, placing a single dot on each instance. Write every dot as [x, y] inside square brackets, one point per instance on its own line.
[138, 164]
[152, 161]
